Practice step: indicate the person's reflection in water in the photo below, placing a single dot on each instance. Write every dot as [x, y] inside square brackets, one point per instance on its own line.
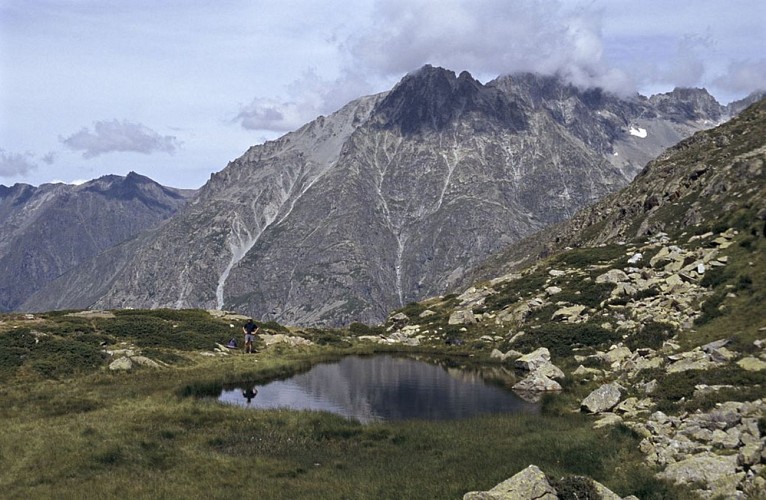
[249, 394]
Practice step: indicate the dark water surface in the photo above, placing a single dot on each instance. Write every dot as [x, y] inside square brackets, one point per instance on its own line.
[385, 388]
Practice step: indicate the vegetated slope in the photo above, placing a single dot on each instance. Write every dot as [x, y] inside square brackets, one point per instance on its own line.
[393, 197]
[48, 230]
[653, 299]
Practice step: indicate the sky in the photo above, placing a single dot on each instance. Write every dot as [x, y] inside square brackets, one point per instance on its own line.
[175, 89]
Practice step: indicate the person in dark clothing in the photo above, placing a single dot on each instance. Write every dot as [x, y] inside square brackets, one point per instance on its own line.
[251, 330]
[249, 394]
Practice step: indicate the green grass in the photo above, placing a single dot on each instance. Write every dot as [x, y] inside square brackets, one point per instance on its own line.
[155, 446]
[152, 433]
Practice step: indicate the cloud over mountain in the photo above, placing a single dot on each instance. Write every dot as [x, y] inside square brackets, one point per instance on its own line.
[119, 136]
[13, 164]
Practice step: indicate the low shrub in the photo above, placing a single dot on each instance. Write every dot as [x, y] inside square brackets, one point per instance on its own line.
[562, 338]
[586, 293]
[583, 257]
[574, 488]
[651, 335]
[675, 387]
[711, 308]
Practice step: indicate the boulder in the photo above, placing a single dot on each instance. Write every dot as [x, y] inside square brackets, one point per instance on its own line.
[534, 359]
[569, 314]
[751, 364]
[550, 370]
[704, 468]
[427, 313]
[616, 355]
[537, 382]
[462, 317]
[144, 361]
[552, 290]
[528, 484]
[123, 363]
[602, 399]
[399, 320]
[612, 276]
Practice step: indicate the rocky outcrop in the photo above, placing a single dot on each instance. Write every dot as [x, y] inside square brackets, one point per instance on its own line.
[602, 399]
[532, 484]
[528, 484]
[720, 452]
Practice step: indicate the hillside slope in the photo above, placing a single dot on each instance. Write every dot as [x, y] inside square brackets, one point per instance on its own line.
[46, 231]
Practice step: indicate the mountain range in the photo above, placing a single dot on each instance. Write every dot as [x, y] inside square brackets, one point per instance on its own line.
[394, 197]
[49, 230]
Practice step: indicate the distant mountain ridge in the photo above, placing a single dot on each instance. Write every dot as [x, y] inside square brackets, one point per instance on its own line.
[48, 230]
[392, 198]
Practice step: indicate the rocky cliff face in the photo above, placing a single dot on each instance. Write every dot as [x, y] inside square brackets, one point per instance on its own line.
[48, 230]
[394, 196]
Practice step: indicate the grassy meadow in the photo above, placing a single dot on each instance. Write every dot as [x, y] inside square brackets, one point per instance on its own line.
[71, 428]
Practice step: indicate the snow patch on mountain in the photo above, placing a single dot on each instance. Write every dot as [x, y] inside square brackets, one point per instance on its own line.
[638, 132]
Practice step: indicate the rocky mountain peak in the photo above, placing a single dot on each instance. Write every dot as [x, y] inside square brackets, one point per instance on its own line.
[431, 98]
[688, 104]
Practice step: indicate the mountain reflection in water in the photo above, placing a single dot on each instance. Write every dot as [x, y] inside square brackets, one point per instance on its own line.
[379, 388]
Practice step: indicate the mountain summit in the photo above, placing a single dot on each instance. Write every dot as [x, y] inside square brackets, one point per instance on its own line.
[390, 199]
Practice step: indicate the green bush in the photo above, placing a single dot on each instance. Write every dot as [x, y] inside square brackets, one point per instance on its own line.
[168, 328]
[413, 309]
[583, 257]
[575, 488]
[562, 338]
[586, 293]
[711, 308]
[513, 291]
[716, 277]
[674, 387]
[651, 335]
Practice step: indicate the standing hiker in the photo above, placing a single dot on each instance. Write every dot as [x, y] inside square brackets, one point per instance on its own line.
[251, 330]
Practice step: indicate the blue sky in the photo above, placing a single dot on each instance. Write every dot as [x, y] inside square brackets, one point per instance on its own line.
[176, 89]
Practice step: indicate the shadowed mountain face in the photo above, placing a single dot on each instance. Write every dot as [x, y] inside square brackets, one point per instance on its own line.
[391, 199]
[48, 230]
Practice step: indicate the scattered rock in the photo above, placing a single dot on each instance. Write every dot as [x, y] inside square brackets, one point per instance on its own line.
[462, 317]
[751, 364]
[528, 484]
[534, 359]
[537, 382]
[570, 314]
[602, 399]
[123, 363]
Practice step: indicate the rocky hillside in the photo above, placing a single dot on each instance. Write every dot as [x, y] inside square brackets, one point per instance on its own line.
[394, 197]
[647, 309]
[48, 230]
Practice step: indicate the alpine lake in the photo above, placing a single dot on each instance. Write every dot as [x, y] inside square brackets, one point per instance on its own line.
[384, 388]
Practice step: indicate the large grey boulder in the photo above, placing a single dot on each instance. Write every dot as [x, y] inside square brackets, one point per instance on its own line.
[550, 370]
[463, 317]
[528, 484]
[123, 363]
[602, 399]
[537, 382]
[534, 359]
[704, 468]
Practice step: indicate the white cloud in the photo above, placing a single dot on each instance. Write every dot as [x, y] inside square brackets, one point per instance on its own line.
[744, 76]
[485, 37]
[15, 164]
[119, 136]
